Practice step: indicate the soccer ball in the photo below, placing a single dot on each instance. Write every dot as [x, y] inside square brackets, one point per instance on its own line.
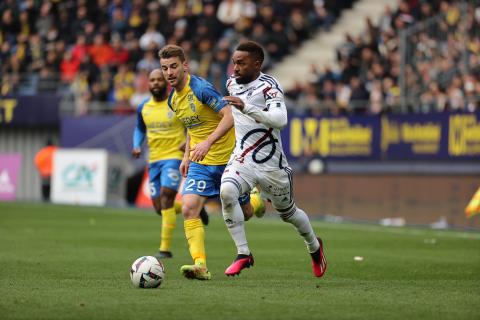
[147, 272]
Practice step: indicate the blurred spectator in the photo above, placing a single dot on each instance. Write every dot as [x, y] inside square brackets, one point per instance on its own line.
[118, 22]
[229, 11]
[151, 39]
[123, 89]
[69, 67]
[45, 21]
[149, 62]
[101, 52]
[9, 26]
[141, 89]
[120, 55]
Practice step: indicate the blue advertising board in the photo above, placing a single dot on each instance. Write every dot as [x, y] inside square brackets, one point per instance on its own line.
[445, 136]
[38, 110]
[415, 137]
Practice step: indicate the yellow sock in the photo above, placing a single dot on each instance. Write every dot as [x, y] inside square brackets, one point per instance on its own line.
[178, 206]
[196, 239]
[257, 203]
[169, 220]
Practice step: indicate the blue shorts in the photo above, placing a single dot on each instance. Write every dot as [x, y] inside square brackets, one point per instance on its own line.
[205, 180]
[163, 173]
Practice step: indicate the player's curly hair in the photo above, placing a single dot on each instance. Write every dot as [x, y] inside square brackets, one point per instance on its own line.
[253, 48]
[170, 51]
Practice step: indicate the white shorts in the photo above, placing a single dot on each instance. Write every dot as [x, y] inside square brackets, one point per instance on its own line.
[276, 186]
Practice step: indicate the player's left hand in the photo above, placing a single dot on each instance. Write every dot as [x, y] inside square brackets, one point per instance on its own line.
[199, 151]
[235, 102]
[184, 165]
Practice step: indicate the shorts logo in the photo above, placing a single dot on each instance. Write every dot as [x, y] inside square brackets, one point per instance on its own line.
[280, 191]
[173, 174]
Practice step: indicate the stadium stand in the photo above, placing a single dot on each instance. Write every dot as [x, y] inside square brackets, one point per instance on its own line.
[437, 66]
[97, 53]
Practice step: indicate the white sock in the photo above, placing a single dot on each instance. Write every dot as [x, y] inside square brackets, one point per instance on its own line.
[233, 216]
[300, 221]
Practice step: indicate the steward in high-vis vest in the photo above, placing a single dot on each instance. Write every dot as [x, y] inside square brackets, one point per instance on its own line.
[44, 163]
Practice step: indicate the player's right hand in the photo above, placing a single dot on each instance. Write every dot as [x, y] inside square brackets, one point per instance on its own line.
[236, 102]
[136, 152]
[184, 167]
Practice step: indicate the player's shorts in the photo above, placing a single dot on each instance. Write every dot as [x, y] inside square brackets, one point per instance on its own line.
[275, 186]
[164, 173]
[205, 180]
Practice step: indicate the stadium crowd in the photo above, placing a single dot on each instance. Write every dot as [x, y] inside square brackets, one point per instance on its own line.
[442, 64]
[97, 52]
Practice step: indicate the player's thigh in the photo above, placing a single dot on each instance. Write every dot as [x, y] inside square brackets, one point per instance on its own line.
[240, 181]
[154, 179]
[277, 186]
[241, 178]
[203, 180]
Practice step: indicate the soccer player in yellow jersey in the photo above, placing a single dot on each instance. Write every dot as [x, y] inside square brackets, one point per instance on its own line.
[210, 141]
[166, 141]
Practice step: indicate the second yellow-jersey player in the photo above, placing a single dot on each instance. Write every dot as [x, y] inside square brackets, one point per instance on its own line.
[165, 133]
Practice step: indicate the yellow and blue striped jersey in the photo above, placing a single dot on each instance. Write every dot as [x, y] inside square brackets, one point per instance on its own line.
[197, 106]
[165, 133]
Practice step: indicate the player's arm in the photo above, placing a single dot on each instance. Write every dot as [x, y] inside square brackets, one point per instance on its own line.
[183, 144]
[186, 158]
[212, 98]
[274, 115]
[138, 134]
[226, 123]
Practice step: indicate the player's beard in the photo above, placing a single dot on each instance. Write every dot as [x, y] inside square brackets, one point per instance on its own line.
[247, 78]
[158, 94]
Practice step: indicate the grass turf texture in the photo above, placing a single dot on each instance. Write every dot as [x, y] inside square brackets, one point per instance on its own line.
[61, 262]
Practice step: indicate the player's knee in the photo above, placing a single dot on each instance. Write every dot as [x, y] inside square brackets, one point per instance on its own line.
[189, 211]
[167, 200]
[157, 206]
[228, 194]
[286, 212]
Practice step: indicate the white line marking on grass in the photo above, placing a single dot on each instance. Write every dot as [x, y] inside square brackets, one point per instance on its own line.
[403, 230]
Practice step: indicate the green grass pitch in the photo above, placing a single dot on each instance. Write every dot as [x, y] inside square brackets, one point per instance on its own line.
[62, 262]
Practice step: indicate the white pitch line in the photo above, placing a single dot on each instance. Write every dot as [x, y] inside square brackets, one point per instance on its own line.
[404, 231]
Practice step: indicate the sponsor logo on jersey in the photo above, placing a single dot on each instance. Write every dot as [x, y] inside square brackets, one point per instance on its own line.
[191, 121]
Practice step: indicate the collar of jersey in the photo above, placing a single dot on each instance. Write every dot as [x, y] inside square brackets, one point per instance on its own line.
[185, 89]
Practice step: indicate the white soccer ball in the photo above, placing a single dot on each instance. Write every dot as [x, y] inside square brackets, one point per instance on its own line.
[147, 272]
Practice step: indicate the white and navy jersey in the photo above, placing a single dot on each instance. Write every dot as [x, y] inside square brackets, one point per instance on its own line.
[257, 127]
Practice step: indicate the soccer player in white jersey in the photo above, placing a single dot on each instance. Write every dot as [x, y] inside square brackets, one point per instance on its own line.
[259, 114]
